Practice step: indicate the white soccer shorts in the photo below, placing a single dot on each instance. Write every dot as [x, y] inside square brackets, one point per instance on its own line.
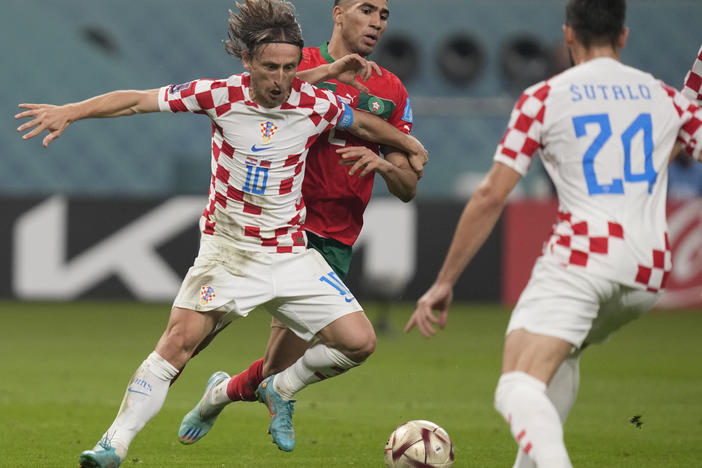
[575, 306]
[301, 290]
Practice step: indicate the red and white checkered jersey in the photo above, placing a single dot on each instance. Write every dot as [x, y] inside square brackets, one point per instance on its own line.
[692, 88]
[258, 158]
[605, 132]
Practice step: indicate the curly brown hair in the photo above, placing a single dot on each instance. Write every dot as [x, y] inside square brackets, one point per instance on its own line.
[261, 22]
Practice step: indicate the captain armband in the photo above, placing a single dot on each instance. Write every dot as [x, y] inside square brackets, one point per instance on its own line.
[346, 119]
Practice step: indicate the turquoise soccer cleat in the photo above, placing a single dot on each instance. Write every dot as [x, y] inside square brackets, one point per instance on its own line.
[102, 456]
[281, 412]
[200, 419]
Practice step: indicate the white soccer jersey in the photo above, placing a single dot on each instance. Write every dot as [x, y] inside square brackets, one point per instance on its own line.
[605, 132]
[258, 158]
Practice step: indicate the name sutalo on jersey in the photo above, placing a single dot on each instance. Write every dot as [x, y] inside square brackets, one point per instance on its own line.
[606, 92]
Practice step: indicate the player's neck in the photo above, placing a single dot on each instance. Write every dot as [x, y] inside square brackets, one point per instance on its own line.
[584, 54]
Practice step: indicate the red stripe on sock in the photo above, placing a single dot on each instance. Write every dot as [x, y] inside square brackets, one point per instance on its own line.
[527, 449]
[242, 387]
[521, 435]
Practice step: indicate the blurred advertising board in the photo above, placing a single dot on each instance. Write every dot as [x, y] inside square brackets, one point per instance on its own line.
[63, 249]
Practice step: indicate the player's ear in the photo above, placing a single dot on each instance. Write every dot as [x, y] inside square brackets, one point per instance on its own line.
[568, 35]
[246, 60]
[337, 13]
[621, 42]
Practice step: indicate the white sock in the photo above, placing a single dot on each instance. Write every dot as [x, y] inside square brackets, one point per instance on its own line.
[533, 420]
[144, 398]
[563, 387]
[218, 396]
[561, 390]
[318, 363]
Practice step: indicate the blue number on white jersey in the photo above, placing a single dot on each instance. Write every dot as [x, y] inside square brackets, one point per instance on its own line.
[333, 280]
[256, 179]
[641, 124]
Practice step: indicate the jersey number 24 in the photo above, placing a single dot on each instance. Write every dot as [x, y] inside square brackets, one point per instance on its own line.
[642, 124]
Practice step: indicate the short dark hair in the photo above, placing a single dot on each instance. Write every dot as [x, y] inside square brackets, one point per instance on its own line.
[261, 22]
[596, 22]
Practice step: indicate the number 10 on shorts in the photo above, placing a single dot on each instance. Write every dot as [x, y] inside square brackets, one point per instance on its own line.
[334, 281]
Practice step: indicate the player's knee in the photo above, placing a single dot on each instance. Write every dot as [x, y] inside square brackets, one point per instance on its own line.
[360, 346]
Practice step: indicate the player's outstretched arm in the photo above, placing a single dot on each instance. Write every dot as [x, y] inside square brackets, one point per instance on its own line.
[343, 70]
[370, 127]
[474, 226]
[55, 119]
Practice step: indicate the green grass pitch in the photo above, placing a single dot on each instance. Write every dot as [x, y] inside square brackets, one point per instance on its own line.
[64, 368]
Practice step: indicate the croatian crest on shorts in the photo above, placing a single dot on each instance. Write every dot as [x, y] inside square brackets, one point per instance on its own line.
[207, 293]
[268, 129]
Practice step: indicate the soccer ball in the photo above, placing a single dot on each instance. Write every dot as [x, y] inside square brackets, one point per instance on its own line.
[419, 444]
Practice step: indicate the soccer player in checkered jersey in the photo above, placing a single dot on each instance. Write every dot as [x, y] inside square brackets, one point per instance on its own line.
[335, 195]
[605, 133]
[253, 249]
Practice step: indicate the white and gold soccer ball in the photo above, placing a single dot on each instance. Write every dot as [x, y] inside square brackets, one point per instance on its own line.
[419, 444]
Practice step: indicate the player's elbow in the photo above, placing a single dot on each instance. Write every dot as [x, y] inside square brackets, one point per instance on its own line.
[488, 198]
[493, 191]
[407, 194]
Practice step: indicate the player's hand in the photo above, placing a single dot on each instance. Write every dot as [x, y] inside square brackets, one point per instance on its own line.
[54, 119]
[348, 67]
[437, 298]
[418, 157]
[362, 159]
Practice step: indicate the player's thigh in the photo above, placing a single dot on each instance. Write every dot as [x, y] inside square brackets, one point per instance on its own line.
[537, 355]
[623, 306]
[283, 349]
[225, 283]
[310, 295]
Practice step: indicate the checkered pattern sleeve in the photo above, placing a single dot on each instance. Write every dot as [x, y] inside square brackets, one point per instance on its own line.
[328, 109]
[210, 97]
[692, 88]
[323, 107]
[690, 134]
[523, 135]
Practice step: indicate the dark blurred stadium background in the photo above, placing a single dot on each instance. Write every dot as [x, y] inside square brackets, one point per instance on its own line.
[110, 210]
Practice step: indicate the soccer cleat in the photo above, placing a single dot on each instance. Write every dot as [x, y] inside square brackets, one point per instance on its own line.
[102, 456]
[200, 419]
[281, 412]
